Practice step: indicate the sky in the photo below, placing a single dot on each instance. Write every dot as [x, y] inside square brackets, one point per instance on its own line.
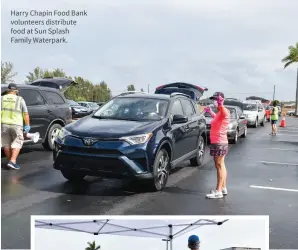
[231, 46]
[236, 232]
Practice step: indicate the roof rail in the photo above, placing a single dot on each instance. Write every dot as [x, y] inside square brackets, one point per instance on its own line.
[177, 93]
[130, 93]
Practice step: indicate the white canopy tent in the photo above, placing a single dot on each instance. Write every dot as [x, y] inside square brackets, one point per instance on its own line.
[166, 230]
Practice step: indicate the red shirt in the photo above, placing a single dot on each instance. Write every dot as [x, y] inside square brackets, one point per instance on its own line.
[219, 126]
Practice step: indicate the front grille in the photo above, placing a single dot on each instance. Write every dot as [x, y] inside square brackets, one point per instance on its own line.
[91, 150]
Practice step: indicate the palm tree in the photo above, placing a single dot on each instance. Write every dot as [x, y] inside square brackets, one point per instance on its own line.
[92, 246]
[7, 72]
[291, 58]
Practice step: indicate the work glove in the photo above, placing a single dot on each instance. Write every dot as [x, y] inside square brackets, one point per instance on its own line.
[207, 109]
[219, 100]
[27, 128]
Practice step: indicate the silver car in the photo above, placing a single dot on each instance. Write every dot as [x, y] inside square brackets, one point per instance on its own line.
[254, 113]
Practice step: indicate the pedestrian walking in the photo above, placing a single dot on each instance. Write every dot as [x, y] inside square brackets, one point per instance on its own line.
[13, 114]
[219, 144]
[194, 242]
[274, 118]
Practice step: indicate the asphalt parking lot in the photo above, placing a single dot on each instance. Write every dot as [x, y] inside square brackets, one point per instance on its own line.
[262, 180]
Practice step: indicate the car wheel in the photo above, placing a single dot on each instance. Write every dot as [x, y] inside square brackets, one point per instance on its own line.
[50, 138]
[199, 158]
[73, 175]
[256, 123]
[161, 171]
[263, 122]
[245, 132]
[235, 139]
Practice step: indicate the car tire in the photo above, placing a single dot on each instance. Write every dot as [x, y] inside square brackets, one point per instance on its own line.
[199, 158]
[161, 171]
[256, 123]
[235, 139]
[263, 122]
[49, 140]
[73, 175]
[244, 135]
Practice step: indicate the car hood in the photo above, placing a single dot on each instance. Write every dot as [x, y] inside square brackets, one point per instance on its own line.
[248, 112]
[104, 128]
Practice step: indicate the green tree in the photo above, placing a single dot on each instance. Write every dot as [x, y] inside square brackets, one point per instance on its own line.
[131, 87]
[92, 246]
[292, 58]
[40, 73]
[7, 73]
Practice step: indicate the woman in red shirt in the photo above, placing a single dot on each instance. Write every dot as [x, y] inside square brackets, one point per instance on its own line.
[219, 144]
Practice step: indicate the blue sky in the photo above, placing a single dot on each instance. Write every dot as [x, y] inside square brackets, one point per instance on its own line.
[230, 46]
[247, 232]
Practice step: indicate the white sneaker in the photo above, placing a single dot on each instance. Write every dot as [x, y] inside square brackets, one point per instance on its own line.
[214, 194]
[224, 191]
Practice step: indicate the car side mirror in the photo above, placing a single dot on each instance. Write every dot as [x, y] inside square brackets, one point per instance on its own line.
[179, 119]
[242, 117]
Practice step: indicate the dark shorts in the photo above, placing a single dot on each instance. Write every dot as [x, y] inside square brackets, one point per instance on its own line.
[218, 149]
[273, 122]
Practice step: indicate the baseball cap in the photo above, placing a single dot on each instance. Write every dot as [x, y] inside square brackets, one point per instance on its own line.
[12, 86]
[193, 239]
[216, 94]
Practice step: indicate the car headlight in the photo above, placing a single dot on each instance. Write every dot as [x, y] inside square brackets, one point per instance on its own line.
[63, 133]
[230, 126]
[76, 110]
[137, 139]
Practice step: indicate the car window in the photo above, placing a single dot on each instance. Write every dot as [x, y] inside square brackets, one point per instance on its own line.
[83, 104]
[53, 97]
[249, 107]
[233, 114]
[32, 97]
[188, 107]
[177, 108]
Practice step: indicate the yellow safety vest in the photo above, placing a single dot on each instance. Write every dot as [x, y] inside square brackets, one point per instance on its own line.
[11, 110]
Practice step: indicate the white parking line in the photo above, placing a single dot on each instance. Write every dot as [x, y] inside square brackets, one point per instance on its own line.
[279, 163]
[285, 149]
[274, 188]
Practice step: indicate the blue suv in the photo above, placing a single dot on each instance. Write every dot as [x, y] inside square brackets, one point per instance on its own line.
[140, 136]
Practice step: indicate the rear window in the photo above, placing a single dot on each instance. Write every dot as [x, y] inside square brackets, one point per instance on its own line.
[53, 97]
[168, 91]
[249, 107]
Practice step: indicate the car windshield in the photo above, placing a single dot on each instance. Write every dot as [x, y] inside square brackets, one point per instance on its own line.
[72, 103]
[232, 112]
[249, 106]
[133, 108]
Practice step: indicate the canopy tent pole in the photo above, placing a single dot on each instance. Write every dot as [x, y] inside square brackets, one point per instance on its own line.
[171, 237]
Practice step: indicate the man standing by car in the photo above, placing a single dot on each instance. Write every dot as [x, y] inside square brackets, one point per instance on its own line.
[13, 112]
[274, 118]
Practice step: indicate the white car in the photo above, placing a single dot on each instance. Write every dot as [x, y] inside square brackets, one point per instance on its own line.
[254, 113]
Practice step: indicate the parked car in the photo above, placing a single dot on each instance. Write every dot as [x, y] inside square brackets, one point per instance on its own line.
[254, 113]
[48, 110]
[291, 112]
[59, 83]
[139, 136]
[77, 110]
[237, 126]
[193, 91]
[90, 105]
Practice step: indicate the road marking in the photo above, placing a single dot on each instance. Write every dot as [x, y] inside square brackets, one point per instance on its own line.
[274, 188]
[279, 163]
[285, 149]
